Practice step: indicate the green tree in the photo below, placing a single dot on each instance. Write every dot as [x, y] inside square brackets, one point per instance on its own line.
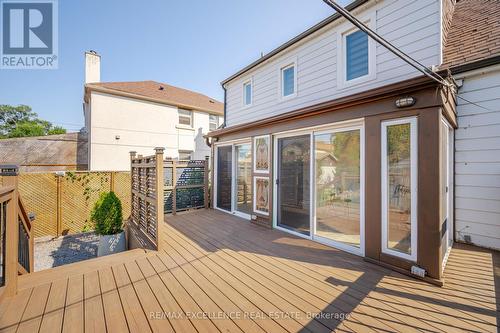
[21, 121]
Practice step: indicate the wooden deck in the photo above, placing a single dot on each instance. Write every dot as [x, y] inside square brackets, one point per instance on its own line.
[219, 273]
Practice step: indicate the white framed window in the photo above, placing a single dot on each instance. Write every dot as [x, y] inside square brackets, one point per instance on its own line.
[185, 117]
[185, 155]
[213, 122]
[356, 55]
[288, 80]
[399, 187]
[247, 93]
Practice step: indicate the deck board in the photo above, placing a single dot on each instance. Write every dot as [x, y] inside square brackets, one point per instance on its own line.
[250, 279]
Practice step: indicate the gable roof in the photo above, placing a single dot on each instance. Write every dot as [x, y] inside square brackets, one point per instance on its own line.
[160, 93]
[353, 5]
[474, 34]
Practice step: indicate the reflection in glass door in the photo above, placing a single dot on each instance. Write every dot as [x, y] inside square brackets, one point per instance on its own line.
[224, 177]
[243, 186]
[293, 183]
[338, 192]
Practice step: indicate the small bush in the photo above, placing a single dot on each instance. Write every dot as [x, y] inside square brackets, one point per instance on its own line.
[107, 214]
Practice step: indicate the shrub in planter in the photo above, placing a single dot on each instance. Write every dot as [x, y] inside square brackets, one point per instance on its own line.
[108, 220]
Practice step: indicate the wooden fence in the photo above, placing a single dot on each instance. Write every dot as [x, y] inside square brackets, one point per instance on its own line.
[166, 186]
[16, 235]
[146, 193]
[62, 202]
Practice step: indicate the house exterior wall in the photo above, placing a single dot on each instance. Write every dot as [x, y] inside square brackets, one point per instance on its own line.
[477, 159]
[412, 26]
[429, 109]
[141, 126]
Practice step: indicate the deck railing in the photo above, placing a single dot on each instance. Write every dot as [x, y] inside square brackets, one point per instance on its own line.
[147, 194]
[16, 234]
[165, 186]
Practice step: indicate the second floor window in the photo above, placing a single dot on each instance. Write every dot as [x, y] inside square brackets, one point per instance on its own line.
[356, 57]
[288, 80]
[186, 117]
[247, 93]
[214, 122]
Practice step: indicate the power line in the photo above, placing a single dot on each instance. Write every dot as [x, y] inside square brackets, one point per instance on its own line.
[400, 54]
[412, 62]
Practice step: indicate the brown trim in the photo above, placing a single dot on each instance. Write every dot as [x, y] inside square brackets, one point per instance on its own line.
[296, 39]
[432, 101]
[90, 88]
[437, 282]
[365, 97]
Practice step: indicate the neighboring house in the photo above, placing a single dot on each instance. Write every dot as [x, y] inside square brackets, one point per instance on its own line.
[46, 153]
[138, 116]
[390, 129]
[473, 53]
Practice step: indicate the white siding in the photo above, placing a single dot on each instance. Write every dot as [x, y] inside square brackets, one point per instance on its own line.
[477, 160]
[141, 126]
[413, 26]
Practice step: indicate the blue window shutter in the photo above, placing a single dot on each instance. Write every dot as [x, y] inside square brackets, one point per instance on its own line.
[288, 81]
[356, 55]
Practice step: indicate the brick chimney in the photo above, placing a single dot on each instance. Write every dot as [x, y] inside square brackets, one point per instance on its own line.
[92, 67]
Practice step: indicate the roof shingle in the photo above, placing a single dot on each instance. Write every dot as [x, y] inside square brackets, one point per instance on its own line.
[165, 93]
[474, 33]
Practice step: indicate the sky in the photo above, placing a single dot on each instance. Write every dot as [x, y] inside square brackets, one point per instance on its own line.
[190, 44]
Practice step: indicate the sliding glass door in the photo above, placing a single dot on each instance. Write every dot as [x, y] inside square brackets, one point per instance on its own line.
[319, 185]
[293, 182]
[338, 188]
[224, 177]
[243, 181]
[234, 179]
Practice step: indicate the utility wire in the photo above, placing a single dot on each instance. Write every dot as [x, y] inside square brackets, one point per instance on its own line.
[400, 54]
[361, 26]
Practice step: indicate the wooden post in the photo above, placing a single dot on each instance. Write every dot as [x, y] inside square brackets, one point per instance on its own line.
[132, 156]
[160, 216]
[174, 187]
[205, 182]
[59, 206]
[112, 181]
[11, 234]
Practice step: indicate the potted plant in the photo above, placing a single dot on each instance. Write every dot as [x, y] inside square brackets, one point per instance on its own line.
[108, 221]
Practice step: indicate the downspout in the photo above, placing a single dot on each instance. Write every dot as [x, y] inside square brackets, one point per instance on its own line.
[225, 100]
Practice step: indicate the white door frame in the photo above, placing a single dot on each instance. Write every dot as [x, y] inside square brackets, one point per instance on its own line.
[232, 143]
[355, 124]
[449, 195]
[275, 180]
[341, 246]
[413, 121]
[234, 187]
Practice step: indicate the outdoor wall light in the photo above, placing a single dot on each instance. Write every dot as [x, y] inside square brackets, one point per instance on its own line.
[117, 137]
[405, 102]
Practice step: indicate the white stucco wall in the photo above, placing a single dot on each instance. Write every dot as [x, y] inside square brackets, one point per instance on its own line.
[477, 158]
[141, 126]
